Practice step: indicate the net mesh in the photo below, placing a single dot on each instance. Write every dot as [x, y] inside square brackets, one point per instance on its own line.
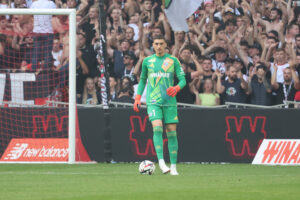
[33, 78]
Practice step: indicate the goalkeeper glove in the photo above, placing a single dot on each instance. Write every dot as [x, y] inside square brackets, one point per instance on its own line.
[172, 91]
[137, 103]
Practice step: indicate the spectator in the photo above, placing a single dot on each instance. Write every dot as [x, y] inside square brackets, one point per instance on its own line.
[89, 95]
[280, 59]
[191, 76]
[126, 91]
[118, 55]
[259, 87]
[209, 97]
[56, 52]
[233, 89]
[91, 27]
[43, 38]
[88, 55]
[297, 42]
[25, 47]
[134, 23]
[219, 61]
[3, 24]
[207, 68]
[98, 89]
[113, 87]
[129, 61]
[287, 89]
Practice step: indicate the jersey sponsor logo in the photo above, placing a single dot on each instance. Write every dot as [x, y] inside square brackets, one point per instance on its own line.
[160, 75]
[152, 60]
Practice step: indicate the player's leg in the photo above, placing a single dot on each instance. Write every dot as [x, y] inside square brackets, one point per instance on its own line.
[171, 120]
[155, 116]
[172, 146]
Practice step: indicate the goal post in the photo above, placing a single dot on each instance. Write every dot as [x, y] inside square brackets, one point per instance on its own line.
[71, 13]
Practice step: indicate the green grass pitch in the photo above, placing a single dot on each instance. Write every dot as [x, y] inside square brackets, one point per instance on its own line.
[122, 181]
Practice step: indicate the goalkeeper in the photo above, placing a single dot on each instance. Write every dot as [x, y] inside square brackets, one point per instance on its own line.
[160, 69]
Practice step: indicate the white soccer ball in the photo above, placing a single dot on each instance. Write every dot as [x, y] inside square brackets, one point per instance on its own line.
[147, 167]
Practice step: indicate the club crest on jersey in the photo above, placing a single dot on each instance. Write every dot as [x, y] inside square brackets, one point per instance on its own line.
[167, 64]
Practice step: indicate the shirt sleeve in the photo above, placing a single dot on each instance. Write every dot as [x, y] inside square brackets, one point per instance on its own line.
[143, 78]
[179, 73]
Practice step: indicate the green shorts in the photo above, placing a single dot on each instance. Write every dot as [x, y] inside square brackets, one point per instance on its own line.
[166, 113]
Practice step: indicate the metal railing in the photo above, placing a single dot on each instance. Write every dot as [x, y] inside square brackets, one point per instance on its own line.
[286, 104]
[244, 105]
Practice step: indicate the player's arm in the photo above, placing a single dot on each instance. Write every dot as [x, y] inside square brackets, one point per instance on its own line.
[172, 91]
[180, 74]
[141, 87]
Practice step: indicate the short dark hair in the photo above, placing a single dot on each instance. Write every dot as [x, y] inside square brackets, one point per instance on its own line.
[159, 37]
[230, 22]
[280, 49]
[124, 40]
[279, 12]
[273, 38]
[220, 50]
[187, 48]
[244, 43]
[130, 54]
[261, 67]
[220, 28]
[206, 58]
[274, 32]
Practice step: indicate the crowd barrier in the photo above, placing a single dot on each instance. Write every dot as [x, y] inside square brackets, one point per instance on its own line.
[205, 135]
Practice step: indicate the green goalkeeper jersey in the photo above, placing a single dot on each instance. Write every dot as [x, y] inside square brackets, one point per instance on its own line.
[160, 72]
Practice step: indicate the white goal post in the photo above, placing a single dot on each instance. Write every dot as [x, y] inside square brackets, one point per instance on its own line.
[71, 13]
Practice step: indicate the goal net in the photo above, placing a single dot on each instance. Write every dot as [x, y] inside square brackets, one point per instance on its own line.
[37, 86]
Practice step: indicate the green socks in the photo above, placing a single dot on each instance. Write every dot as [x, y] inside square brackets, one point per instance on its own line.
[173, 146]
[172, 143]
[158, 141]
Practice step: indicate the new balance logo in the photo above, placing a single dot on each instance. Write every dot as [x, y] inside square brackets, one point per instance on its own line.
[16, 151]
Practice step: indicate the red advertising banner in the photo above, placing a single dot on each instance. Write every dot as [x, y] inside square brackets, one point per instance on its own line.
[36, 150]
[278, 152]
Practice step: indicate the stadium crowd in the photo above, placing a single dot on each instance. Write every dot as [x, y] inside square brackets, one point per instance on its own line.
[242, 51]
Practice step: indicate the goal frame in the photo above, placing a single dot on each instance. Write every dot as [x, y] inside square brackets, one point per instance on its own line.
[71, 13]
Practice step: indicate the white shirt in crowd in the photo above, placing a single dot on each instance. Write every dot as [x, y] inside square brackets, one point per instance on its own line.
[42, 23]
[280, 69]
[136, 31]
[56, 56]
[218, 65]
[28, 4]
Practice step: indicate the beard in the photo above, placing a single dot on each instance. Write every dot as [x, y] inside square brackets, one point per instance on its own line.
[233, 78]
